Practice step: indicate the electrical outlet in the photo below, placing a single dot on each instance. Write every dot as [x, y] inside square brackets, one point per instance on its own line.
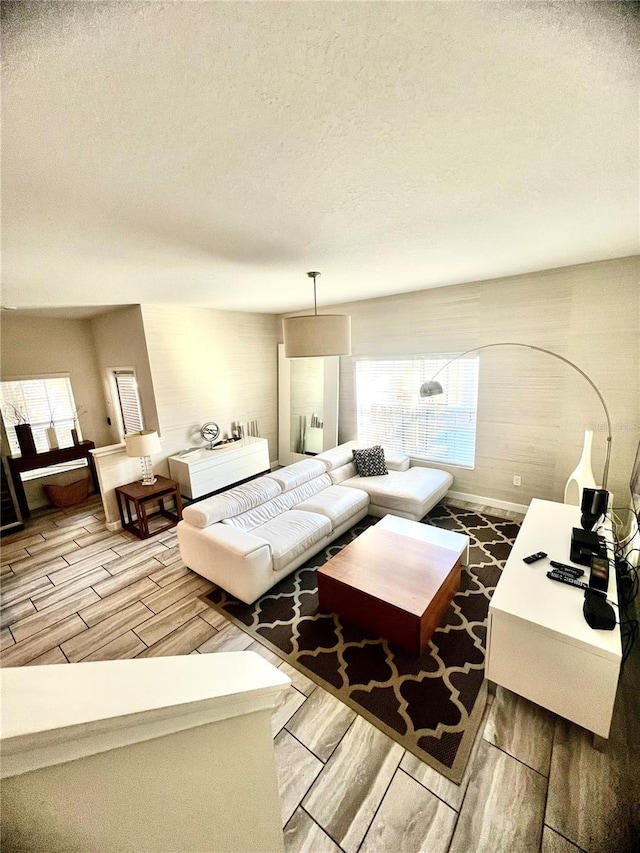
[517, 480]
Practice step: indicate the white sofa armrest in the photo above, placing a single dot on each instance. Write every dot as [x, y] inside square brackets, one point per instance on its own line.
[396, 461]
[230, 557]
[234, 539]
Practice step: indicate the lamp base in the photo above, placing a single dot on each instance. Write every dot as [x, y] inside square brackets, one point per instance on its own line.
[148, 478]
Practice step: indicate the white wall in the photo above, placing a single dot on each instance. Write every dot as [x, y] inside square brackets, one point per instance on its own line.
[210, 365]
[532, 409]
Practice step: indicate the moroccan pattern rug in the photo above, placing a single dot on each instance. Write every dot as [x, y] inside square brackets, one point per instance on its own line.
[432, 705]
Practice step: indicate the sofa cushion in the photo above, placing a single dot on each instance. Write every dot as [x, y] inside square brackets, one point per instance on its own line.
[396, 461]
[343, 472]
[270, 509]
[297, 474]
[307, 490]
[337, 503]
[370, 461]
[337, 456]
[261, 514]
[232, 502]
[292, 533]
[341, 455]
[405, 491]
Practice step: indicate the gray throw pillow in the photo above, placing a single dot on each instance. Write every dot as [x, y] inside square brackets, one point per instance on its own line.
[370, 461]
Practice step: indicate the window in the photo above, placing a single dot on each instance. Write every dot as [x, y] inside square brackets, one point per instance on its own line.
[39, 401]
[129, 400]
[391, 412]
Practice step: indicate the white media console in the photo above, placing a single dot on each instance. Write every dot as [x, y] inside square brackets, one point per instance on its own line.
[539, 644]
[200, 472]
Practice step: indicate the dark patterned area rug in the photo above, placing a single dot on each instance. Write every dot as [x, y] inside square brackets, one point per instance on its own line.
[432, 705]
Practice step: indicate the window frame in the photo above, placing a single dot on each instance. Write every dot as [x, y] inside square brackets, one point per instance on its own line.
[117, 407]
[412, 422]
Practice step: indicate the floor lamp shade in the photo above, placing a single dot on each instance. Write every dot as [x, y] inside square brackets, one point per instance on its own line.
[317, 335]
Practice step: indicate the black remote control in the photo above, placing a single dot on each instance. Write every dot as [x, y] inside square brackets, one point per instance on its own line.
[558, 576]
[534, 557]
[572, 571]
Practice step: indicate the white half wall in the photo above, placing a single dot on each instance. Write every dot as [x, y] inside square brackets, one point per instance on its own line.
[164, 754]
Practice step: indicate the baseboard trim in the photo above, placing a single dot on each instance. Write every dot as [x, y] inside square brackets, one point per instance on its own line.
[493, 503]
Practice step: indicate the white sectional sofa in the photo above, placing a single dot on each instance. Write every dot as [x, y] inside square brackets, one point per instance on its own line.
[251, 536]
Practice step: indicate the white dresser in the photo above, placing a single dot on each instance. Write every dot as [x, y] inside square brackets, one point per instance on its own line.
[539, 644]
[203, 471]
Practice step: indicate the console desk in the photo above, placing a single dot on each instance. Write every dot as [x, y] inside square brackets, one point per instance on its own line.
[538, 643]
[19, 464]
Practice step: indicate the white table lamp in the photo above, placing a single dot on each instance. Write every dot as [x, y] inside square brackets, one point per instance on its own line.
[143, 444]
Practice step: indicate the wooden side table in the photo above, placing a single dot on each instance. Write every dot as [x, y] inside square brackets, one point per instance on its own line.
[134, 500]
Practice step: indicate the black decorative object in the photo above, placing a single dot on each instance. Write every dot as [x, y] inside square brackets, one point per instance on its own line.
[370, 461]
[597, 611]
[593, 506]
[25, 439]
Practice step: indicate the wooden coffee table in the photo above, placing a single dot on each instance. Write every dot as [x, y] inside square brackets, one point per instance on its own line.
[396, 580]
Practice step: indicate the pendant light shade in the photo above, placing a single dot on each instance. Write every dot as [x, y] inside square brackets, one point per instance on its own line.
[316, 334]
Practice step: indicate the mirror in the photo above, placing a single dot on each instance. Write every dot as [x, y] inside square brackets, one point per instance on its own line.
[308, 406]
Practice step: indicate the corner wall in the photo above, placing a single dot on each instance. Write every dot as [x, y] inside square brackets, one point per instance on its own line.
[40, 346]
[120, 343]
[37, 346]
[532, 409]
[210, 365]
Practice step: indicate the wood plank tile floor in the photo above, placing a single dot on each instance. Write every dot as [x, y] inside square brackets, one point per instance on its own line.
[73, 591]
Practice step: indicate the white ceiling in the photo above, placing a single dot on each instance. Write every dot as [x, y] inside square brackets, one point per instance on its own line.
[210, 153]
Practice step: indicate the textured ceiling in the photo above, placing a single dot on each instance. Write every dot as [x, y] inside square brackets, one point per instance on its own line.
[211, 153]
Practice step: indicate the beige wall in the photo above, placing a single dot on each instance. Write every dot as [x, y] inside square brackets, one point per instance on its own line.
[532, 408]
[210, 365]
[120, 343]
[37, 346]
[34, 346]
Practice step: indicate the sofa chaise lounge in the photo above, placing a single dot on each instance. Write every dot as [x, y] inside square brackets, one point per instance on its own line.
[248, 538]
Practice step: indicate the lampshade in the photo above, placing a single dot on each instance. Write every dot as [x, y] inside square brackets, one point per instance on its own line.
[430, 389]
[143, 443]
[316, 334]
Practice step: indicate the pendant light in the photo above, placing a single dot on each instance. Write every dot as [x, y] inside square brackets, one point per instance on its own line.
[316, 334]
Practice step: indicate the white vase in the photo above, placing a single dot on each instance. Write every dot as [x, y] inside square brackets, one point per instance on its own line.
[582, 477]
[52, 438]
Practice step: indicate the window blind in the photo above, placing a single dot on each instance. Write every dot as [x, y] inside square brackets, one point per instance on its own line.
[40, 401]
[129, 399]
[391, 412]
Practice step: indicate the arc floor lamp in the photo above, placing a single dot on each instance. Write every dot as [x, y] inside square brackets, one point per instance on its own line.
[433, 388]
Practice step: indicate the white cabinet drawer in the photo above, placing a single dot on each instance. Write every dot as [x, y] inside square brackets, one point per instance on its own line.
[206, 471]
